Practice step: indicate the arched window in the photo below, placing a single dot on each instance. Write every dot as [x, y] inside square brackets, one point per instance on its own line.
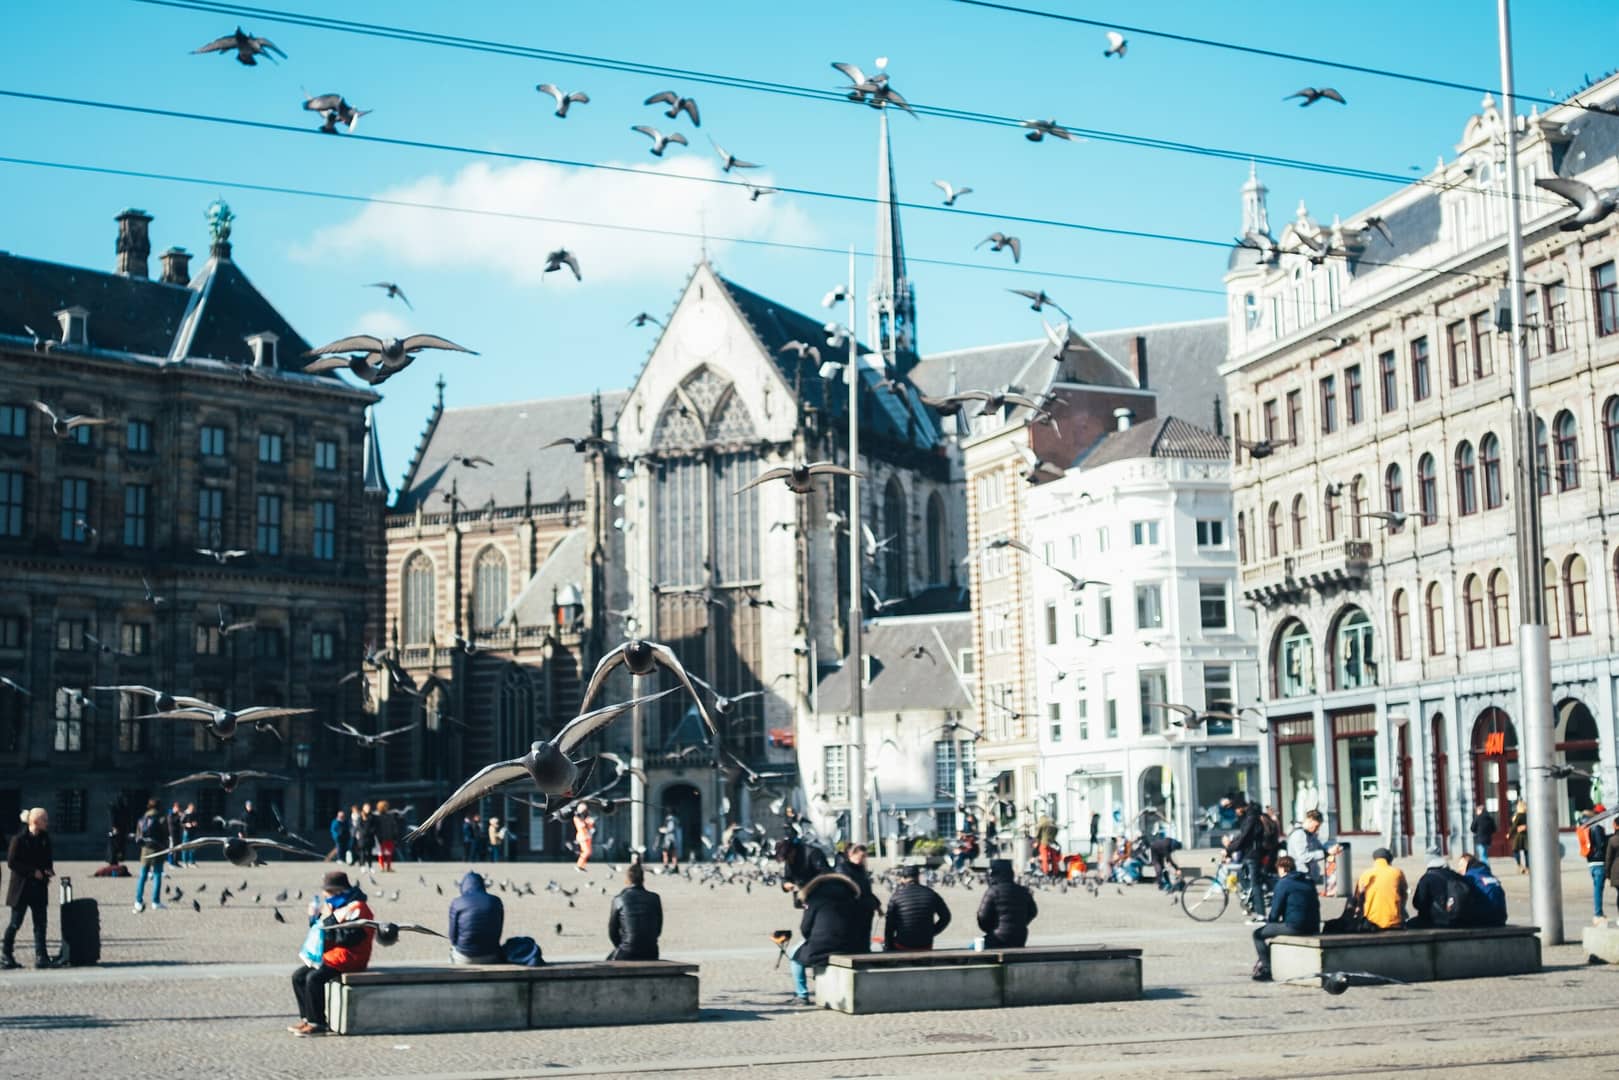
[1610, 435]
[938, 541]
[1568, 451]
[1489, 456]
[1250, 310]
[1473, 607]
[1554, 622]
[1434, 613]
[416, 599]
[1466, 491]
[1579, 622]
[1500, 607]
[1394, 495]
[488, 588]
[1273, 526]
[1300, 522]
[1354, 666]
[1242, 537]
[1329, 513]
[1294, 661]
[1543, 468]
[896, 521]
[1401, 610]
[514, 717]
[1357, 507]
[1427, 490]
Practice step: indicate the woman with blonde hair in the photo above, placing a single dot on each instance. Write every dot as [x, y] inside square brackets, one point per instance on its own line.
[1520, 836]
[387, 829]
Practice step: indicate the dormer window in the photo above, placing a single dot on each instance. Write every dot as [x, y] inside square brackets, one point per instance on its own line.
[263, 346]
[75, 325]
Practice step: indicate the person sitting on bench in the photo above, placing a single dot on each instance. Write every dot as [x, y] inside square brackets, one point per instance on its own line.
[635, 919]
[1294, 909]
[1007, 909]
[476, 922]
[330, 949]
[1445, 899]
[916, 914]
[831, 924]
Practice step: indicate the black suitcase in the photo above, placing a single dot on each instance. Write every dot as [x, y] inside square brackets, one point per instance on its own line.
[81, 928]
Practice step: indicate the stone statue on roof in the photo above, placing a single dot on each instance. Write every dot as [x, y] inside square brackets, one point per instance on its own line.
[219, 220]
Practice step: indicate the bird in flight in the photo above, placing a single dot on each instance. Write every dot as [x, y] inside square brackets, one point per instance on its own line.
[14, 686]
[580, 446]
[642, 318]
[240, 850]
[644, 658]
[1038, 300]
[659, 139]
[162, 700]
[677, 105]
[376, 360]
[1039, 129]
[335, 109]
[729, 160]
[546, 764]
[951, 192]
[1002, 242]
[800, 476]
[559, 258]
[723, 704]
[394, 291]
[222, 556]
[754, 191]
[388, 932]
[227, 781]
[578, 97]
[63, 426]
[875, 88]
[802, 350]
[1116, 44]
[1312, 94]
[1595, 204]
[1377, 223]
[246, 47]
[223, 723]
[1259, 449]
[368, 741]
[471, 461]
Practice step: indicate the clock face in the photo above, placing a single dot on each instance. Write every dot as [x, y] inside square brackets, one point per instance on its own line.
[702, 329]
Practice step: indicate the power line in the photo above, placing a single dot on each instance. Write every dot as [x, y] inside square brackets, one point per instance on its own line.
[425, 37]
[512, 215]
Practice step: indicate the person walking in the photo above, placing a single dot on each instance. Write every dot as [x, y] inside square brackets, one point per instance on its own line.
[1596, 859]
[190, 826]
[584, 835]
[1294, 909]
[330, 950]
[365, 835]
[635, 919]
[477, 920]
[1007, 909]
[387, 836]
[1520, 836]
[916, 914]
[32, 865]
[669, 843]
[174, 825]
[497, 840]
[1483, 833]
[152, 833]
[340, 836]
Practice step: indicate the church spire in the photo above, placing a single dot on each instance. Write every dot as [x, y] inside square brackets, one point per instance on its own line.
[375, 482]
[892, 308]
[1255, 215]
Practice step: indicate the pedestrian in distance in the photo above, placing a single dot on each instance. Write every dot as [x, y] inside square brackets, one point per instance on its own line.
[1520, 836]
[497, 839]
[584, 834]
[635, 919]
[365, 837]
[1295, 908]
[916, 914]
[669, 844]
[152, 833]
[387, 829]
[330, 949]
[477, 919]
[1007, 909]
[175, 827]
[190, 828]
[340, 837]
[32, 865]
[1594, 841]
[1483, 832]
[469, 837]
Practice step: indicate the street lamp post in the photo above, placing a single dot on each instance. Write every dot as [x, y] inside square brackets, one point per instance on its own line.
[856, 772]
[300, 757]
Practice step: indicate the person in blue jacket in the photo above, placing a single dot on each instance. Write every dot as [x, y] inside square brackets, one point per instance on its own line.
[1294, 909]
[476, 922]
[1494, 907]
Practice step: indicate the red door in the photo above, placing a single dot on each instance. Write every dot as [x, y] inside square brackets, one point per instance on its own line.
[1406, 829]
[1495, 773]
[1441, 784]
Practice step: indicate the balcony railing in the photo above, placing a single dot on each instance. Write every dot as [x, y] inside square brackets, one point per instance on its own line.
[1339, 565]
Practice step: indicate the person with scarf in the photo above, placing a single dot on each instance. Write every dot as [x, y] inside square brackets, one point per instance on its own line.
[330, 950]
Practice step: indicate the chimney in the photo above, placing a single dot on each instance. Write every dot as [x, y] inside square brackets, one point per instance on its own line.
[133, 244]
[176, 266]
[1219, 417]
[1138, 360]
[1122, 418]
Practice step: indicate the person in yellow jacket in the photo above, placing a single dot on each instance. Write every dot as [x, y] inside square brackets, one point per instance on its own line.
[1382, 892]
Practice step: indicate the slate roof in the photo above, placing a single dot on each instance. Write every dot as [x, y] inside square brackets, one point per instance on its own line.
[1163, 437]
[1183, 362]
[902, 682]
[510, 435]
[1595, 140]
[564, 565]
[986, 367]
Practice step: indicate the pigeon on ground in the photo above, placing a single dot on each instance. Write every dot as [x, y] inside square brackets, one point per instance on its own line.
[246, 47]
[800, 476]
[394, 291]
[196, 906]
[951, 192]
[1595, 204]
[280, 918]
[577, 97]
[1311, 95]
[1116, 44]
[677, 105]
[559, 258]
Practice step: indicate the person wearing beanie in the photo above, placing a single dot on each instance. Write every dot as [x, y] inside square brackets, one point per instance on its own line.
[1007, 909]
[330, 949]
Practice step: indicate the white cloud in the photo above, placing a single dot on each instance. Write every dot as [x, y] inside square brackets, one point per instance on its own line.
[642, 200]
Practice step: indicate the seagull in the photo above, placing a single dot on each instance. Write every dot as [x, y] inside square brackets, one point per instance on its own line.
[1260, 449]
[471, 461]
[642, 318]
[729, 160]
[547, 763]
[1116, 44]
[222, 556]
[246, 47]
[162, 700]
[240, 850]
[559, 258]
[390, 355]
[677, 105]
[951, 193]
[659, 139]
[800, 476]
[336, 110]
[1039, 299]
[62, 426]
[643, 658]
[223, 722]
[393, 291]
[580, 446]
[368, 741]
[1039, 129]
[1311, 95]
[1001, 242]
[14, 686]
[1594, 204]
[578, 97]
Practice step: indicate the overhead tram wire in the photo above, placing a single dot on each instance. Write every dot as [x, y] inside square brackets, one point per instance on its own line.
[509, 155]
[512, 215]
[427, 37]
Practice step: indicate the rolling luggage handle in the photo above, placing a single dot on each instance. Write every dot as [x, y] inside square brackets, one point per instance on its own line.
[64, 890]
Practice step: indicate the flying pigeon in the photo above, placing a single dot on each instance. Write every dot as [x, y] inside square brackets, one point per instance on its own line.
[578, 97]
[644, 658]
[246, 47]
[393, 291]
[677, 105]
[390, 355]
[1116, 44]
[729, 160]
[580, 445]
[559, 258]
[1595, 204]
[642, 318]
[239, 850]
[951, 192]
[1311, 95]
[1002, 242]
[1038, 300]
[659, 139]
[369, 741]
[223, 722]
[227, 781]
[335, 109]
[62, 426]
[1039, 129]
[800, 476]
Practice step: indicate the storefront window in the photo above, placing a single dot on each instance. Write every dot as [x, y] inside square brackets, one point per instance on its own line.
[1295, 767]
[1354, 750]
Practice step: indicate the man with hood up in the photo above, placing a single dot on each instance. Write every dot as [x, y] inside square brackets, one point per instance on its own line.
[1007, 909]
[476, 922]
[330, 950]
[833, 917]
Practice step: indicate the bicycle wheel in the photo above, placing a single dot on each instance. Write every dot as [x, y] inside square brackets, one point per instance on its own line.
[1204, 899]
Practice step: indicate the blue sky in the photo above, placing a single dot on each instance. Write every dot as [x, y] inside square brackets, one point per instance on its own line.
[476, 281]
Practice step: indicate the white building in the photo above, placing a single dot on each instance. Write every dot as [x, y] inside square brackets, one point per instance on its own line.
[1145, 520]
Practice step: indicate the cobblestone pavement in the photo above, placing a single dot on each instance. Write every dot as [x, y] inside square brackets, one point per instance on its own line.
[186, 993]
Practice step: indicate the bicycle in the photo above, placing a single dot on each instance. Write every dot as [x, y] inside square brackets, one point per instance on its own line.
[1205, 899]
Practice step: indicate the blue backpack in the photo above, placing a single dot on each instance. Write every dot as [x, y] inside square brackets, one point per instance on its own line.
[523, 951]
[1494, 896]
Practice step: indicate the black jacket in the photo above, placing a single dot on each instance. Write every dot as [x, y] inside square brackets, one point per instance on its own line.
[1005, 913]
[1444, 898]
[634, 923]
[1483, 828]
[831, 923]
[1248, 843]
[869, 907]
[28, 852]
[1295, 904]
[916, 915]
[476, 919]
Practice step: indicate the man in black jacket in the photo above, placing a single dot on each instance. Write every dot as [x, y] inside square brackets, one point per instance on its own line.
[635, 920]
[32, 866]
[831, 920]
[1444, 899]
[1247, 845]
[1007, 909]
[853, 866]
[916, 914]
[1483, 833]
[801, 864]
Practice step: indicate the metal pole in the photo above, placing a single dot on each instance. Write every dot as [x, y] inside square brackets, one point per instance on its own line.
[638, 809]
[855, 775]
[1535, 695]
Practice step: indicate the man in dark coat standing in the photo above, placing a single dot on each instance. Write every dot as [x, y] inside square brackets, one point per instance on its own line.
[853, 866]
[1248, 847]
[1007, 909]
[476, 922]
[832, 916]
[32, 866]
[916, 914]
[1294, 909]
[1483, 833]
[635, 919]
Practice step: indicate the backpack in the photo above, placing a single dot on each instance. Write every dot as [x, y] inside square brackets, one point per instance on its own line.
[1592, 839]
[1455, 904]
[524, 951]
[146, 830]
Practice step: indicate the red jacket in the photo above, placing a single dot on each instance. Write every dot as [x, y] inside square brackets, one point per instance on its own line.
[356, 955]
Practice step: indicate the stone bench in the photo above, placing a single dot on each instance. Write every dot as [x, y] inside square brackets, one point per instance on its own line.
[885, 982]
[1601, 944]
[500, 997]
[1410, 955]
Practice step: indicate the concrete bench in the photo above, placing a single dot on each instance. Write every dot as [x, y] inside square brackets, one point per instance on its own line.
[887, 982]
[1601, 944]
[497, 997]
[1410, 955]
